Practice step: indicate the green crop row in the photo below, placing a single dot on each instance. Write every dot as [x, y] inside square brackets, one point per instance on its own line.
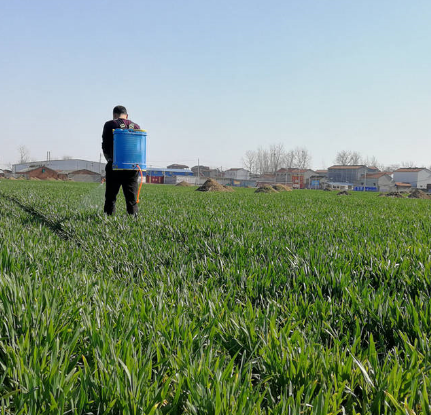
[213, 303]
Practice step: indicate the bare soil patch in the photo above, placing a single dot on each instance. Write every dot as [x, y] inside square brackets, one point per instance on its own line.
[281, 187]
[211, 185]
[183, 184]
[266, 189]
[392, 194]
[418, 194]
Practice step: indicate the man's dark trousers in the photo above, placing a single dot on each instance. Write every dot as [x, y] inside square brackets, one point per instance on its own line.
[128, 180]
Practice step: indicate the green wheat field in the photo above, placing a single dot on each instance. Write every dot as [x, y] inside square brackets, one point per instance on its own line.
[300, 302]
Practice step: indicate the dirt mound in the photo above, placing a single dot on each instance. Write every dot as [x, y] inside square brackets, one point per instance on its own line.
[343, 193]
[281, 188]
[183, 184]
[211, 185]
[228, 188]
[392, 194]
[418, 194]
[266, 189]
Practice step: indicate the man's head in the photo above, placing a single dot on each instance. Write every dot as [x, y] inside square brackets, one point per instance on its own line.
[119, 112]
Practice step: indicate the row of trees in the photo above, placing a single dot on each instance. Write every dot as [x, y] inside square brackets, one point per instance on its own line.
[269, 160]
[275, 157]
[347, 158]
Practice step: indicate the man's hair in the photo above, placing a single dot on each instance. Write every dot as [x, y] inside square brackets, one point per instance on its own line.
[120, 110]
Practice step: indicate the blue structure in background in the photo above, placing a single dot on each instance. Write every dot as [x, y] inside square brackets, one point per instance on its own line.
[367, 188]
[160, 172]
[130, 149]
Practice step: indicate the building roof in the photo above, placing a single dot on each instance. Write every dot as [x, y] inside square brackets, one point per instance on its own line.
[300, 170]
[51, 161]
[340, 184]
[235, 169]
[178, 166]
[321, 171]
[162, 169]
[410, 169]
[80, 171]
[375, 175]
[346, 167]
[402, 184]
[29, 169]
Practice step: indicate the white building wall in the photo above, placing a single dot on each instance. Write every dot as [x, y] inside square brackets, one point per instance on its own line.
[240, 174]
[406, 177]
[424, 178]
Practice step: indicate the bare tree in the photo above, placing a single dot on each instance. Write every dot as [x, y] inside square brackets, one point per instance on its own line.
[342, 158]
[348, 158]
[408, 164]
[249, 161]
[391, 167]
[373, 162]
[262, 161]
[276, 152]
[24, 154]
[288, 159]
[355, 158]
[302, 157]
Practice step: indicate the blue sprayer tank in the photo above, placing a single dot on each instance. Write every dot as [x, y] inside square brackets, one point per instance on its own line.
[130, 149]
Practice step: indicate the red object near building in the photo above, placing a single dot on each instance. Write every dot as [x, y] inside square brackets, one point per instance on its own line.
[155, 179]
[298, 181]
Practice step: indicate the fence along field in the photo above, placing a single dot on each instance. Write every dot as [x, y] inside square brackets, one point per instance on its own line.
[216, 303]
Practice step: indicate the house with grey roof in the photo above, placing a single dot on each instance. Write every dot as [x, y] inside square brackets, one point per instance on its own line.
[381, 181]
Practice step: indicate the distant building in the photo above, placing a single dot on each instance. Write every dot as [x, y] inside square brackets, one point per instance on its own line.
[419, 177]
[300, 177]
[348, 173]
[84, 176]
[323, 173]
[402, 187]
[237, 174]
[284, 176]
[158, 175]
[41, 173]
[381, 182]
[178, 166]
[200, 170]
[59, 165]
[316, 181]
[265, 179]
[297, 178]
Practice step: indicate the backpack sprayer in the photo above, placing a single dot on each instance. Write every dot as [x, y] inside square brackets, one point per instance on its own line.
[130, 151]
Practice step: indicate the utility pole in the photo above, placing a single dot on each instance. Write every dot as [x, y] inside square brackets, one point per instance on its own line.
[365, 181]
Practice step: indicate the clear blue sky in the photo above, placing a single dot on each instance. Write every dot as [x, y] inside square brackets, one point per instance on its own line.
[213, 79]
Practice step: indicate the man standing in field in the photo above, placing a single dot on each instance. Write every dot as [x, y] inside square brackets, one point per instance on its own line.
[128, 179]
